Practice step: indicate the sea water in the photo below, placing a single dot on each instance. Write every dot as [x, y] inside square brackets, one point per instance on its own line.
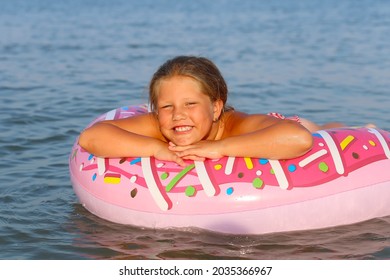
[62, 63]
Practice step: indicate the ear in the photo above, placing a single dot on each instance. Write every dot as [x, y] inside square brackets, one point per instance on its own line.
[217, 109]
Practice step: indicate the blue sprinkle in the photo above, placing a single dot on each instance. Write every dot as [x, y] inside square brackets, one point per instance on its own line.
[229, 191]
[90, 157]
[292, 168]
[134, 161]
[125, 108]
[317, 135]
[94, 177]
[263, 161]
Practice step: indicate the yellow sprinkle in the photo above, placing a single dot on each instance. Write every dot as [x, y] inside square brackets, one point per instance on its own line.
[112, 180]
[372, 143]
[248, 162]
[217, 166]
[346, 142]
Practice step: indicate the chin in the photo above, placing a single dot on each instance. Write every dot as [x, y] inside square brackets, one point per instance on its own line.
[184, 142]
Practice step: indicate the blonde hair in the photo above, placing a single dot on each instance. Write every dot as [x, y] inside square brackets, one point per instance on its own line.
[200, 69]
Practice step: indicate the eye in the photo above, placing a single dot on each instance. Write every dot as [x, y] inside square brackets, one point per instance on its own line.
[168, 106]
[190, 104]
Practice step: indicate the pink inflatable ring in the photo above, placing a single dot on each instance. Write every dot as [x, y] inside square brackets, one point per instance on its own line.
[344, 179]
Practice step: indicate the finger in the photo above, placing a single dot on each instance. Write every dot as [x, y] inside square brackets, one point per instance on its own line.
[179, 148]
[180, 161]
[194, 158]
[186, 153]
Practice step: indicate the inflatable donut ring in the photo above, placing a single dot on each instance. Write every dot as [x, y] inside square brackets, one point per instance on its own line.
[344, 179]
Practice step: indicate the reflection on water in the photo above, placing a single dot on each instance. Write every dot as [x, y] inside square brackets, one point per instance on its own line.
[63, 63]
[101, 239]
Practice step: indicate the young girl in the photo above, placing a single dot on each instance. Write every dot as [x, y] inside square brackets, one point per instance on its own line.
[189, 119]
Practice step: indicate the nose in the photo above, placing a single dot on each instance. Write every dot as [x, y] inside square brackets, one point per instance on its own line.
[178, 114]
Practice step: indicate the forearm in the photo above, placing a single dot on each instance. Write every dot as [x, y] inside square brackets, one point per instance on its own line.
[106, 140]
[280, 141]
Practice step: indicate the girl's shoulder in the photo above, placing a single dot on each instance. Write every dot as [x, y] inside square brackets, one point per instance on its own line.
[237, 122]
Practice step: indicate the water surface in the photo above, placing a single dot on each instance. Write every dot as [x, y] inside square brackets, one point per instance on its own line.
[62, 63]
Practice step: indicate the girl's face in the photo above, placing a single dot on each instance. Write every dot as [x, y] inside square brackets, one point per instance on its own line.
[185, 114]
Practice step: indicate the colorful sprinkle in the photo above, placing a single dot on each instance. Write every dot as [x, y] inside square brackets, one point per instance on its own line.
[346, 141]
[229, 165]
[217, 166]
[162, 200]
[257, 183]
[74, 154]
[323, 167]
[112, 178]
[272, 171]
[372, 143]
[94, 177]
[312, 158]
[334, 151]
[280, 176]
[160, 164]
[134, 192]
[102, 165]
[355, 155]
[133, 178]
[292, 167]
[240, 175]
[248, 163]
[178, 177]
[90, 157]
[190, 191]
[122, 160]
[258, 172]
[164, 175]
[263, 161]
[135, 161]
[229, 191]
[382, 141]
[365, 147]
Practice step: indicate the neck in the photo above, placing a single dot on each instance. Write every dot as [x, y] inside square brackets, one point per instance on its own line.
[218, 129]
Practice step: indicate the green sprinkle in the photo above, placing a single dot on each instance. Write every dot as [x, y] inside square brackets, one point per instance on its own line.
[190, 191]
[257, 183]
[178, 177]
[164, 175]
[323, 167]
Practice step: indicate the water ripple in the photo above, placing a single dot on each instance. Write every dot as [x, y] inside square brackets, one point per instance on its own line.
[63, 63]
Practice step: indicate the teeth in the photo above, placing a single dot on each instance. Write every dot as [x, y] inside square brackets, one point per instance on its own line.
[182, 128]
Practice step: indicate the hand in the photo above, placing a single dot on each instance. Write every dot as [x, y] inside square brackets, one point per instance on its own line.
[162, 152]
[198, 151]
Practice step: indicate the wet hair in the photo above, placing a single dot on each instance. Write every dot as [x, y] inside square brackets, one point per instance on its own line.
[200, 69]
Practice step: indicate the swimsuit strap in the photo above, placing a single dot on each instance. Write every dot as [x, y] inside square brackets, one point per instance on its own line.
[280, 116]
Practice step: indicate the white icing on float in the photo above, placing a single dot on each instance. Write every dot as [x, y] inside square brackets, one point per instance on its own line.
[344, 179]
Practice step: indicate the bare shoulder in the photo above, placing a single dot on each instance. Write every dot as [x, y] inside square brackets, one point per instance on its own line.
[238, 122]
[145, 124]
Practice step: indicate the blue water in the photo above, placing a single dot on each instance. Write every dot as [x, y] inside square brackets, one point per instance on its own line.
[62, 63]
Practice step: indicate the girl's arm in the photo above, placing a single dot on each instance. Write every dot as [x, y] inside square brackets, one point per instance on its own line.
[132, 137]
[258, 136]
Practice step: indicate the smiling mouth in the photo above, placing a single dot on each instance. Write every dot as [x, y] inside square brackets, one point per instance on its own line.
[182, 128]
